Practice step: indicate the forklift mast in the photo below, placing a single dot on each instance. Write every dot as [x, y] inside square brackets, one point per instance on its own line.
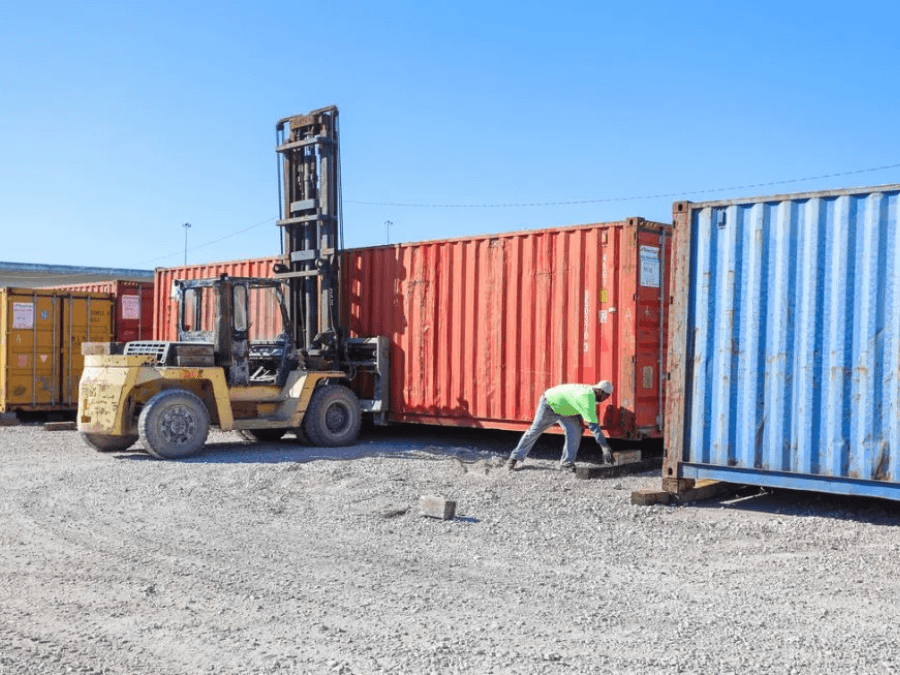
[310, 218]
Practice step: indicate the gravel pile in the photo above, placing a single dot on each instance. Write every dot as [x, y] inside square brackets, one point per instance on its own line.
[282, 559]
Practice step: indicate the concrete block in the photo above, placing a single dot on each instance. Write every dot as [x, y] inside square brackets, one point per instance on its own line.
[437, 507]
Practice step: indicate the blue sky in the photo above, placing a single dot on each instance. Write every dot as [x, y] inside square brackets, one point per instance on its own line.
[123, 120]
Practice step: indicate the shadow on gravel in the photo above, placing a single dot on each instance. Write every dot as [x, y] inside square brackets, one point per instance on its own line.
[797, 503]
[402, 441]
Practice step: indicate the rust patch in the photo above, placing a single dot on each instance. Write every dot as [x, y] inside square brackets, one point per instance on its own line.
[881, 466]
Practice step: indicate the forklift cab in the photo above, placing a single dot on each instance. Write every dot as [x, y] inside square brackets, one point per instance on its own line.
[214, 317]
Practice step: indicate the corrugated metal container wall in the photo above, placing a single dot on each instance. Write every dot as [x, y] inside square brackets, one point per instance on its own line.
[165, 309]
[134, 306]
[785, 342]
[40, 345]
[480, 326]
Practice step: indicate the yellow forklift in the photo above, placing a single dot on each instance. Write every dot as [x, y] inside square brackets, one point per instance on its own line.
[290, 374]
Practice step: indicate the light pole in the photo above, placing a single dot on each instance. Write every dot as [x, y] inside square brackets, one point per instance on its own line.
[186, 227]
[387, 226]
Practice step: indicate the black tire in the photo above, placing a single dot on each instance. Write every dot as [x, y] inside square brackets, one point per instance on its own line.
[262, 435]
[174, 424]
[333, 417]
[107, 443]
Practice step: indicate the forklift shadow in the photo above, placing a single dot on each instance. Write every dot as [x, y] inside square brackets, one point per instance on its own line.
[289, 452]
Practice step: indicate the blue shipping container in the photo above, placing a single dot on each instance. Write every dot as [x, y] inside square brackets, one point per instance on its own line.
[784, 343]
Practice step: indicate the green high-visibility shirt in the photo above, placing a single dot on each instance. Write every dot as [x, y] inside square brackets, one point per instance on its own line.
[573, 399]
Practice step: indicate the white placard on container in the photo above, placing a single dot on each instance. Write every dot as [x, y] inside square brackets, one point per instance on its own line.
[131, 307]
[650, 266]
[23, 315]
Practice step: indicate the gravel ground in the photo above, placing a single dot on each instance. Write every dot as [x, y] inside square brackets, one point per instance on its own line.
[278, 558]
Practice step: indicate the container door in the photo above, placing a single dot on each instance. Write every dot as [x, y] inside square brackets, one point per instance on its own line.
[129, 312]
[649, 331]
[32, 349]
[84, 319]
[145, 320]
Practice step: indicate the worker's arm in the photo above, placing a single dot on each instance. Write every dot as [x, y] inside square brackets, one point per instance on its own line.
[602, 442]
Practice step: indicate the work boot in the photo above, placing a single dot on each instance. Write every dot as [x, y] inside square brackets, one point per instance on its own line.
[567, 466]
[511, 464]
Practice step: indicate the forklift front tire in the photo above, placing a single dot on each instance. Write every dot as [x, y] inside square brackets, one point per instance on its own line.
[333, 417]
[174, 424]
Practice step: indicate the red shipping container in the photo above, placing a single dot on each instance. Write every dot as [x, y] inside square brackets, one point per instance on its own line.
[134, 306]
[480, 326]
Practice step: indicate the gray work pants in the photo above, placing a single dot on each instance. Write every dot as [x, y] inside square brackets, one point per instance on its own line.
[545, 418]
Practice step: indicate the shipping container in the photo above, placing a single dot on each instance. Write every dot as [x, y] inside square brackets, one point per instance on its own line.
[40, 345]
[785, 342]
[480, 326]
[133, 303]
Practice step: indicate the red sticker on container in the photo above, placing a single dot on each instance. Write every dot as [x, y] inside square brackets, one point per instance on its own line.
[22, 360]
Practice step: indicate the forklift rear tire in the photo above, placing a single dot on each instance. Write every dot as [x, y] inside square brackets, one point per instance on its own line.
[173, 424]
[263, 435]
[333, 417]
[107, 443]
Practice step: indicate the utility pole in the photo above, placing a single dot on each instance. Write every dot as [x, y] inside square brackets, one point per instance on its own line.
[387, 226]
[186, 227]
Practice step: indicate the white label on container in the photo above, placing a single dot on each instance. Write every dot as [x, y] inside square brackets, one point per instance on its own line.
[23, 315]
[650, 266]
[603, 316]
[131, 307]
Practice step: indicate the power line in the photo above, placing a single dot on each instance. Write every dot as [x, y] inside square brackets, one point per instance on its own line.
[626, 199]
[209, 243]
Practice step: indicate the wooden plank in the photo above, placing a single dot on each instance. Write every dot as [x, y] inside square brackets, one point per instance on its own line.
[60, 426]
[648, 496]
[705, 489]
[587, 471]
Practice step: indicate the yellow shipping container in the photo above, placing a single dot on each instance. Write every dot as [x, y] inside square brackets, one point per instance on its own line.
[40, 344]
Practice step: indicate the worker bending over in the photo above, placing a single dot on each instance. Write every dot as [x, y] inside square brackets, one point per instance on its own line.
[567, 405]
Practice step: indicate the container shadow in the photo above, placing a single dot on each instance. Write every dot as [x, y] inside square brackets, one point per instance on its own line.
[801, 504]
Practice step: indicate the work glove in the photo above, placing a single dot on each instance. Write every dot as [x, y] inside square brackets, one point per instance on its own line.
[607, 452]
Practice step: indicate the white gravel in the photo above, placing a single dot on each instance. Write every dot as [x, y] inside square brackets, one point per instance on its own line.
[278, 558]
